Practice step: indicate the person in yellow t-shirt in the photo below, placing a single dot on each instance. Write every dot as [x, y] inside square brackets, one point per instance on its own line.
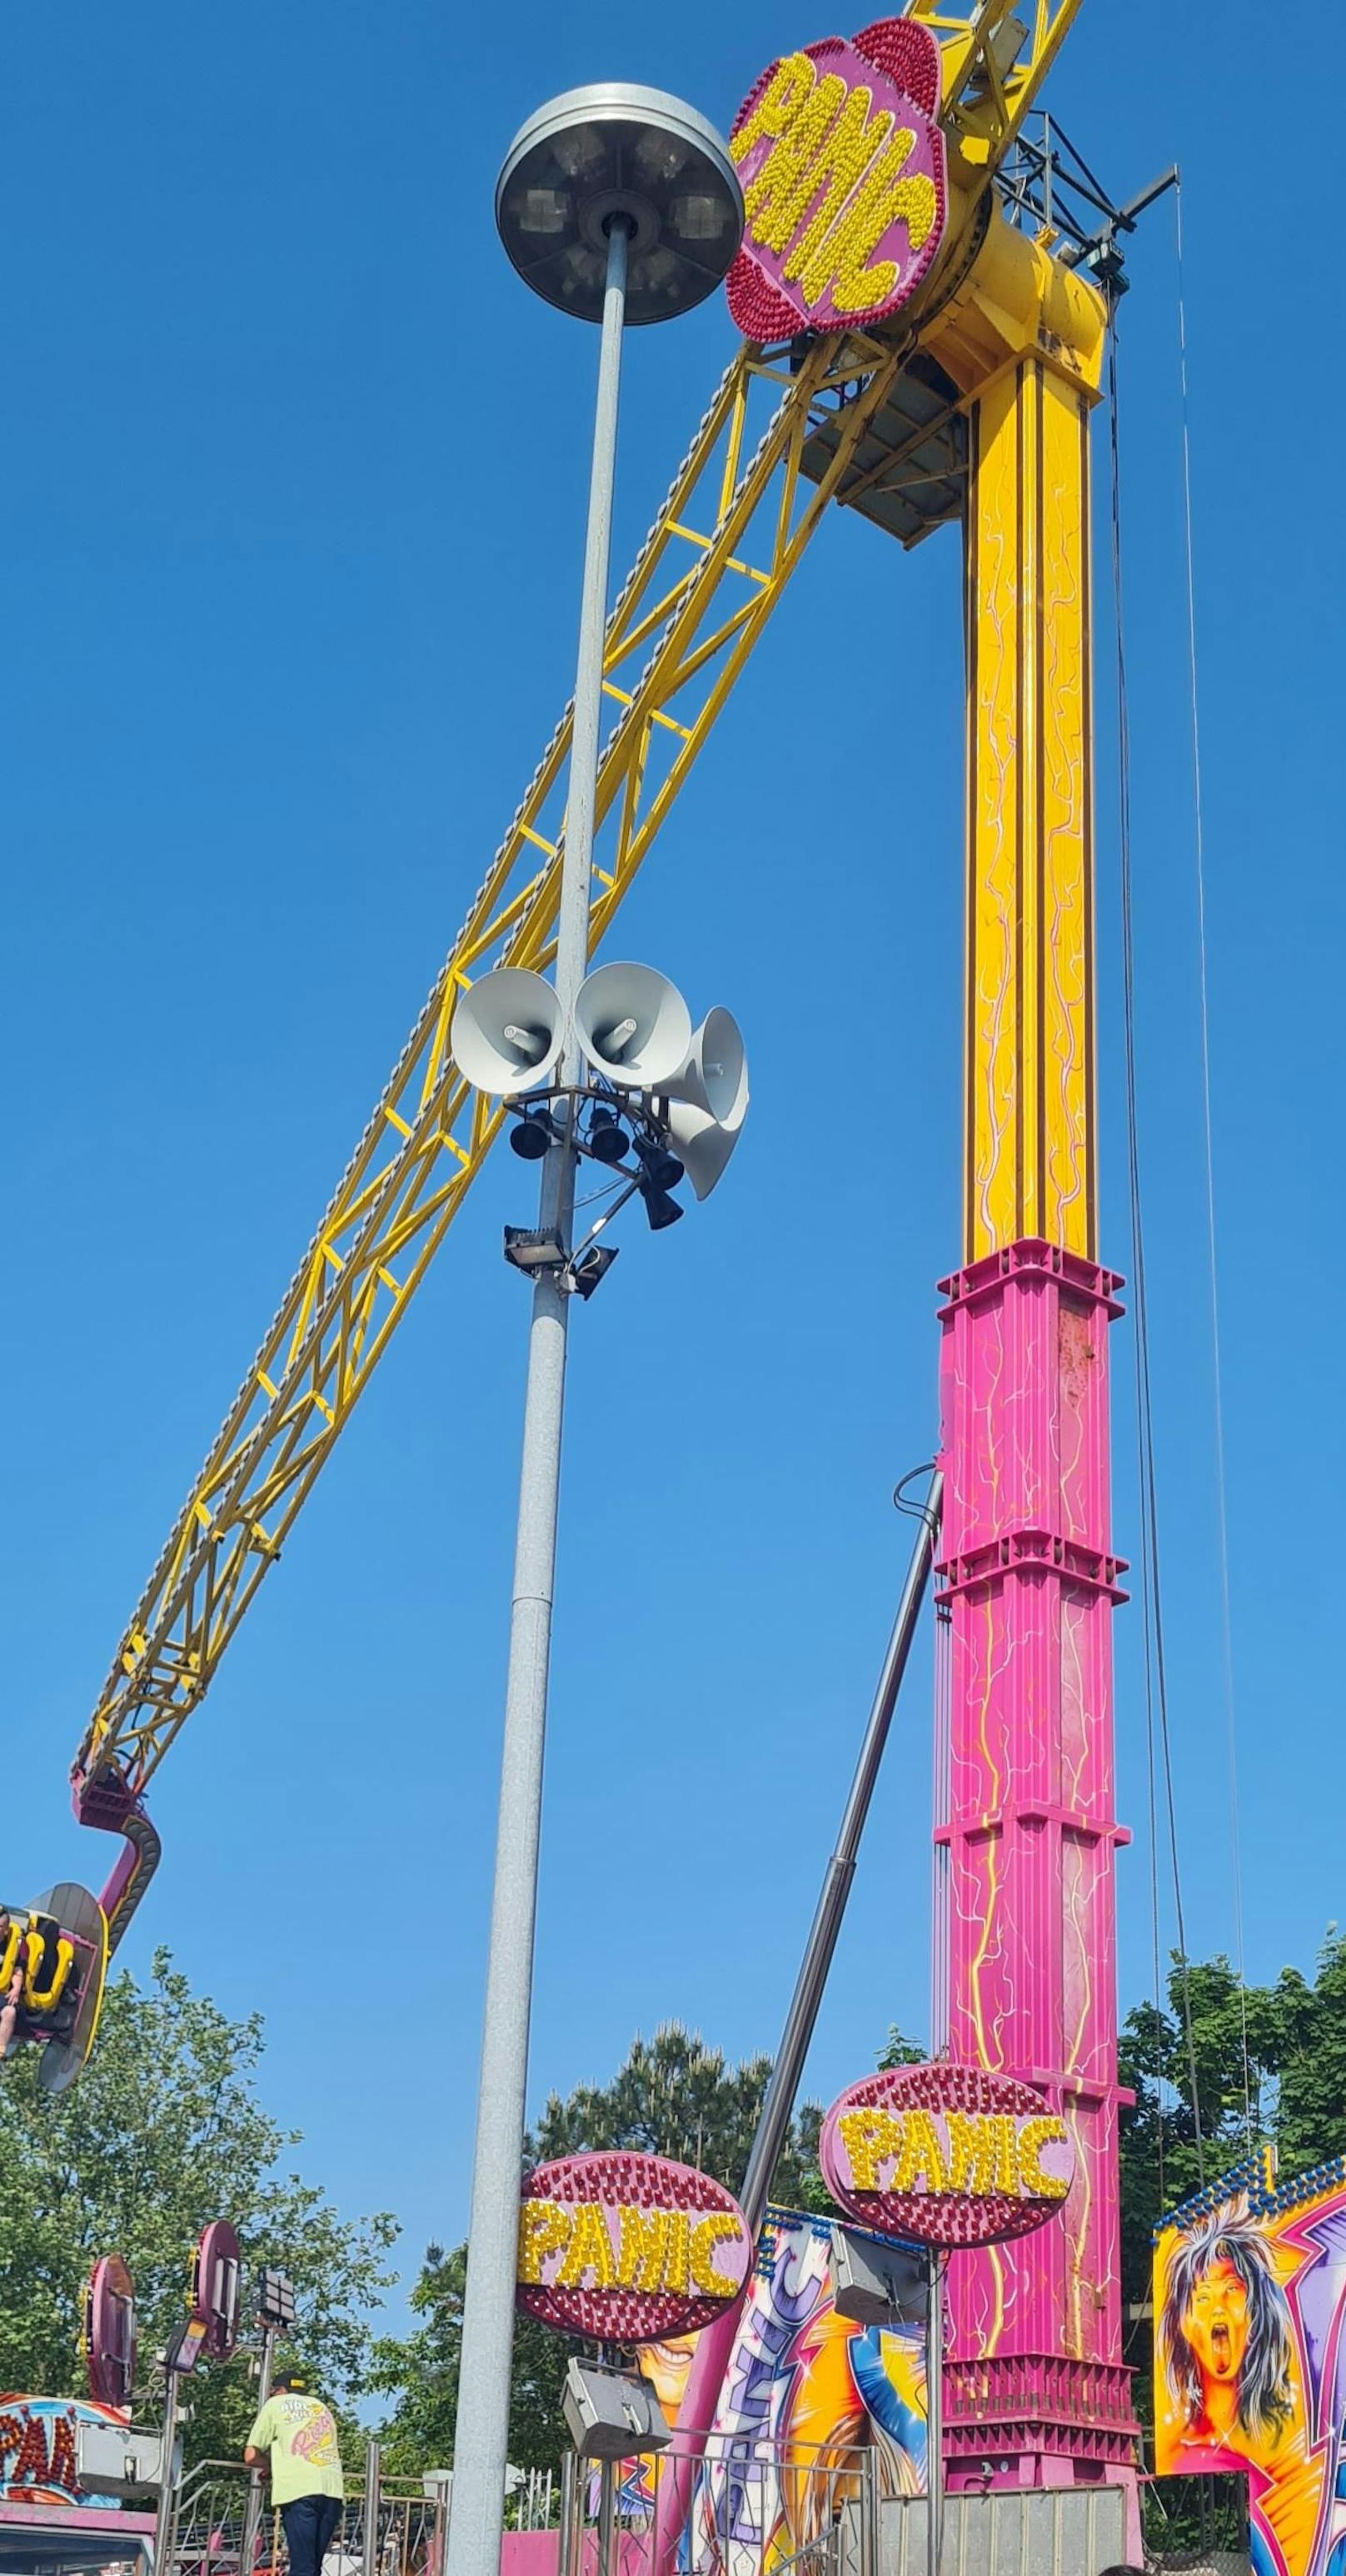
[306, 2481]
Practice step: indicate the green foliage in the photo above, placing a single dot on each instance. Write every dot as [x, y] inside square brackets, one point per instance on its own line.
[163, 2132]
[421, 2371]
[676, 2097]
[673, 2097]
[898, 2050]
[1295, 2036]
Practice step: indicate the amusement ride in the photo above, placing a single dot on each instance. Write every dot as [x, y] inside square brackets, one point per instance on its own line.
[944, 384]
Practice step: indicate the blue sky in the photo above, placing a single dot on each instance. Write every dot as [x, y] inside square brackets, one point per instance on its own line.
[291, 494]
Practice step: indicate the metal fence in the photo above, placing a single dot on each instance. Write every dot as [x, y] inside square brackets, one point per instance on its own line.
[407, 2538]
[808, 2512]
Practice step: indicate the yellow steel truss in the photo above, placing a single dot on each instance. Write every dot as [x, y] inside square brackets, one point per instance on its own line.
[735, 523]
[731, 531]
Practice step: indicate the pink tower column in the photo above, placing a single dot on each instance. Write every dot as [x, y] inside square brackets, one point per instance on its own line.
[1035, 2389]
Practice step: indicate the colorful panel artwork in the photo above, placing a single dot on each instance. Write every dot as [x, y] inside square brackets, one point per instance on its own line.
[37, 2449]
[804, 2390]
[1250, 2355]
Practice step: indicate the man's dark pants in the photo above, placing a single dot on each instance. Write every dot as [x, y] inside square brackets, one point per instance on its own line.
[309, 2524]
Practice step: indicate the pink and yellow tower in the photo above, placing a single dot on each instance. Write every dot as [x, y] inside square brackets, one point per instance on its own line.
[1026, 1833]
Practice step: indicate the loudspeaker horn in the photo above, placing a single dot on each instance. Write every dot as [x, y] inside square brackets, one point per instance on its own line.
[702, 1144]
[633, 1026]
[507, 1032]
[715, 1075]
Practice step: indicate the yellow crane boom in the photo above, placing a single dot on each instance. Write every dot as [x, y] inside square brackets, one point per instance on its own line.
[873, 420]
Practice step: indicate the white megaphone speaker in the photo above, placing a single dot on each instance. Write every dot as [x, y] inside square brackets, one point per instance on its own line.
[507, 1032]
[702, 1144]
[715, 1075]
[633, 1025]
[708, 1100]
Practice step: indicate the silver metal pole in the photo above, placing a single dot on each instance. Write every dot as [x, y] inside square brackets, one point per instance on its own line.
[482, 2426]
[607, 2518]
[165, 2512]
[934, 2417]
[711, 2356]
[568, 2552]
[820, 1948]
[370, 2543]
[252, 2508]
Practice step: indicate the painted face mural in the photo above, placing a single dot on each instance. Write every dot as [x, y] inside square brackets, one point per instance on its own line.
[1250, 2356]
[804, 2391]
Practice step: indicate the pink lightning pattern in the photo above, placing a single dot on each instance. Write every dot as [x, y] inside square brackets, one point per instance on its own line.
[1030, 1582]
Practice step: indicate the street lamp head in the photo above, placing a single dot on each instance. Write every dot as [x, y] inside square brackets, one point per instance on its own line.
[617, 154]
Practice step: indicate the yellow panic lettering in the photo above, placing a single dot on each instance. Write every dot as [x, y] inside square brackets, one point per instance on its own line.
[1033, 2137]
[842, 162]
[884, 197]
[642, 2253]
[543, 2228]
[774, 201]
[787, 89]
[1002, 2126]
[678, 2262]
[871, 2139]
[706, 2235]
[589, 2250]
[972, 2152]
[44, 1998]
[919, 2154]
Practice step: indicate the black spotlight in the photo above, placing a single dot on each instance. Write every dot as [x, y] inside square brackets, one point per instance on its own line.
[536, 1130]
[607, 1139]
[662, 1170]
[594, 1265]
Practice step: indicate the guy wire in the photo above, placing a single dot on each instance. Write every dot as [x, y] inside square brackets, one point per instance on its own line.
[1221, 1499]
[1156, 1684]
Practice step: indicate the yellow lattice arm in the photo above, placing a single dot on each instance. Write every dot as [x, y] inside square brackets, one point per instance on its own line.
[736, 521]
[731, 531]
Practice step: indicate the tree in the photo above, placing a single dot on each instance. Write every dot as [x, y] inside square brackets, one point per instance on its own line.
[163, 2132]
[1270, 2065]
[673, 2097]
[676, 2097]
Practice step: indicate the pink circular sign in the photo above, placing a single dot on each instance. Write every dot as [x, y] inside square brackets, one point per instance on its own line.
[845, 185]
[628, 2247]
[215, 2286]
[110, 2331]
[946, 2155]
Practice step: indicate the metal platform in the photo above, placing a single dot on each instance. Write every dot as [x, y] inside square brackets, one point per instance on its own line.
[909, 474]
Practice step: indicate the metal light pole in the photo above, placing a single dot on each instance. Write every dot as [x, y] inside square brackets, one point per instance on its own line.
[252, 2509]
[618, 205]
[934, 2415]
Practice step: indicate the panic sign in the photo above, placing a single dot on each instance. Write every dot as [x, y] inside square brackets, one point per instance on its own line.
[844, 182]
[628, 2247]
[949, 2155]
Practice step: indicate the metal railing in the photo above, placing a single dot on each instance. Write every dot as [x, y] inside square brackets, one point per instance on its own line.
[809, 2510]
[407, 2538]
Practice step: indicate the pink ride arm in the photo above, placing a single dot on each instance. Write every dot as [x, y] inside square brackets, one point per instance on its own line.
[107, 1803]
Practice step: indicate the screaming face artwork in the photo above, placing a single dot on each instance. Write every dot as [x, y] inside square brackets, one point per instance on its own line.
[1250, 2356]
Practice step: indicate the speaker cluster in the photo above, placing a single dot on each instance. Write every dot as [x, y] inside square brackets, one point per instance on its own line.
[652, 1098]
